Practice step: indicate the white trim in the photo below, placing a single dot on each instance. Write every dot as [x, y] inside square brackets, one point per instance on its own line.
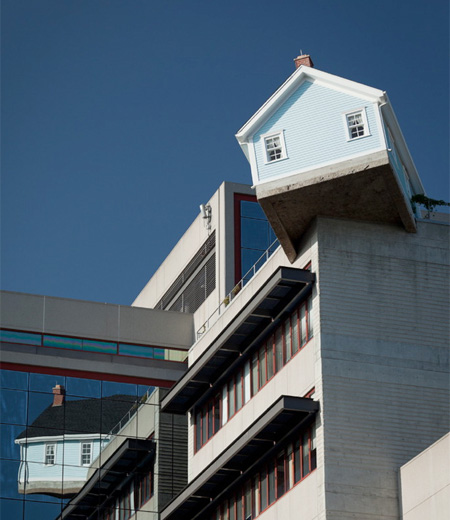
[389, 118]
[275, 133]
[322, 165]
[253, 161]
[362, 111]
[55, 438]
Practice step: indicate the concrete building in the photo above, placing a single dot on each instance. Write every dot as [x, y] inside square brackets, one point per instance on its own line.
[317, 331]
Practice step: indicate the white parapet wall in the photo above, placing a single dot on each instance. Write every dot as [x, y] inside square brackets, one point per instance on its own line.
[425, 483]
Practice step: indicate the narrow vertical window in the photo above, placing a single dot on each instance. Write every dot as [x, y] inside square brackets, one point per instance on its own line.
[247, 382]
[263, 489]
[217, 406]
[313, 448]
[310, 319]
[271, 482]
[239, 391]
[305, 455]
[295, 333]
[254, 374]
[281, 485]
[204, 426]
[231, 509]
[262, 366]
[297, 468]
[239, 506]
[198, 430]
[279, 347]
[269, 360]
[231, 399]
[287, 340]
[86, 453]
[210, 419]
[255, 496]
[224, 405]
[50, 454]
[248, 500]
[303, 325]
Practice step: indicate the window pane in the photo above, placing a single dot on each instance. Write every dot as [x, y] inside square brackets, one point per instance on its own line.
[239, 507]
[280, 475]
[305, 455]
[287, 341]
[295, 336]
[61, 342]
[252, 209]
[204, 426]
[217, 406]
[198, 430]
[210, 420]
[238, 391]
[224, 405]
[303, 324]
[269, 360]
[254, 374]
[231, 408]
[278, 356]
[247, 382]
[297, 472]
[255, 496]
[279, 343]
[313, 448]
[271, 482]
[310, 321]
[232, 511]
[247, 500]
[262, 367]
[263, 490]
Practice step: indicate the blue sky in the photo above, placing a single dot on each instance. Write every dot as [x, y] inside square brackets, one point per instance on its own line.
[118, 118]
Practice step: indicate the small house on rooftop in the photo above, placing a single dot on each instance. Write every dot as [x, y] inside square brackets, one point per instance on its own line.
[323, 145]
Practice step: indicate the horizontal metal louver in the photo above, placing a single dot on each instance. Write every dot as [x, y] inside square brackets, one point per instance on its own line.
[177, 290]
[196, 292]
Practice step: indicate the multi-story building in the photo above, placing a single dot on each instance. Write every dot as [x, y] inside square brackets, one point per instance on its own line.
[317, 329]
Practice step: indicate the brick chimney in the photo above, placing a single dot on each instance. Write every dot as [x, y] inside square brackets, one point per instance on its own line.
[303, 59]
[59, 393]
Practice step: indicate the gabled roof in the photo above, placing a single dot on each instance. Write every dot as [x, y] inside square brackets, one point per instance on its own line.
[302, 74]
[85, 416]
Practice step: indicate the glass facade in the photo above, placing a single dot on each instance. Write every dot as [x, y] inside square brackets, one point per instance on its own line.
[253, 236]
[88, 345]
[55, 432]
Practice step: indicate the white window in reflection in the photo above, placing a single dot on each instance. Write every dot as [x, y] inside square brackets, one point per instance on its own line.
[86, 453]
[50, 454]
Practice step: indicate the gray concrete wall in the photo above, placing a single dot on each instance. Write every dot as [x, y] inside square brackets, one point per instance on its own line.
[384, 337]
[46, 314]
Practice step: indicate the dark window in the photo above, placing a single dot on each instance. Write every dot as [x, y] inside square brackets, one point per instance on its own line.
[281, 487]
[269, 360]
[263, 490]
[271, 482]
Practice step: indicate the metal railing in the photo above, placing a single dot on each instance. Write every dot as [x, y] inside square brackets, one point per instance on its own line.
[131, 413]
[230, 297]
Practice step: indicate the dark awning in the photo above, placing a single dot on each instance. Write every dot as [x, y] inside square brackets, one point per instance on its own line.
[133, 455]
[260, 441]
[274, 301]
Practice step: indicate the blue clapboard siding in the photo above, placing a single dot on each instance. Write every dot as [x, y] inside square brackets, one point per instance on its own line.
[314, 130]
[67, 462]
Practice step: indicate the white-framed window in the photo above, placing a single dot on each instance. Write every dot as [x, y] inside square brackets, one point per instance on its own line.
[86, 453]
[356, 124]
[50, 454]
[275, 147]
